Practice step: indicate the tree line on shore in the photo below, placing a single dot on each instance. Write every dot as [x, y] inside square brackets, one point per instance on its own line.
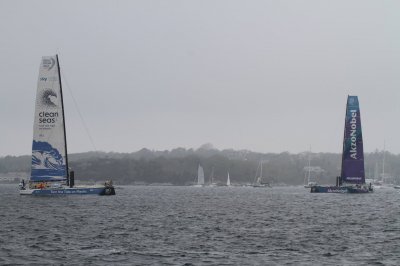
[179, 166]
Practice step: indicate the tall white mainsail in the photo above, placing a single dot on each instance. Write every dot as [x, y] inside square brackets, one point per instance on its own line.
[49, 154]
[200, 175]
[228, 182]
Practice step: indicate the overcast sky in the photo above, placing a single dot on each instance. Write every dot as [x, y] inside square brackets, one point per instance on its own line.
[269, 76]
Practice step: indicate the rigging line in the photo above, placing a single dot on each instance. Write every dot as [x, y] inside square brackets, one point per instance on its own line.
[79, 112]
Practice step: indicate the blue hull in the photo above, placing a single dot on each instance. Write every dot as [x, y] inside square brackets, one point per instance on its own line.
[335, 189]
[70, 191]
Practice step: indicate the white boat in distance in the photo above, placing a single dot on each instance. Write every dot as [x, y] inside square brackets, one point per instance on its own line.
[212, 183]
[309, 183]
[258, 181]
[200, 177]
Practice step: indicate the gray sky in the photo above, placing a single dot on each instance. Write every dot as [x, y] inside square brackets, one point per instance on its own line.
[268, 76]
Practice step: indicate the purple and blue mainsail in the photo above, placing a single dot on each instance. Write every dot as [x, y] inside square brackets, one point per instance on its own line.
[353, 152]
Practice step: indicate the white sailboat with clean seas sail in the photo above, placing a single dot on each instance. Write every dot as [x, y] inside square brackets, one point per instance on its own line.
[49, 168]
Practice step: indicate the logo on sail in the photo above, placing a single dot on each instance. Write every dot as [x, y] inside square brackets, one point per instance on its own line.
[48, 63]
[46, 160]
[49, 98]
[353, 134]
[45, 79]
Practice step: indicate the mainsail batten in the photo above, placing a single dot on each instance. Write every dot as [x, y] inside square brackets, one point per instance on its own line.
[49, 162]
[353, 152]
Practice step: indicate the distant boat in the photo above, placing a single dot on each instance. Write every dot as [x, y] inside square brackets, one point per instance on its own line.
[386, 180]
[309, 183]
[212, 183]
[200, 176]
[228, 181]
[376, 183]
[49, 168]
[258, 180]
[352, 178]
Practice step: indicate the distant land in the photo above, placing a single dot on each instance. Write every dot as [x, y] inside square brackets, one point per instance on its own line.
[179, 166]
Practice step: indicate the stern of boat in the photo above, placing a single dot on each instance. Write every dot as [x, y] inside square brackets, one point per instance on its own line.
[109, 189]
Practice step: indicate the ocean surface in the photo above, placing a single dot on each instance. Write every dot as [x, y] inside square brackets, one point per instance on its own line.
[150, 225]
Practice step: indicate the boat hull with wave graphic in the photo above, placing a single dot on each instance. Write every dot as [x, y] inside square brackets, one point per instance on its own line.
[102, 191]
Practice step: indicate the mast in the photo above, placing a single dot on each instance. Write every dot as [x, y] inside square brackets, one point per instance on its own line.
[344, 143]
[63, 115]
[309, 165]
[383, 161]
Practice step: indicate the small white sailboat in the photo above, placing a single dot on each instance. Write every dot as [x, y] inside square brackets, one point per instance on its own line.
[386, 180]
[258, 181]
[383, 180]
[212, 183]
[228, 181]
[49, 170]
[200, 177]
[309, 183]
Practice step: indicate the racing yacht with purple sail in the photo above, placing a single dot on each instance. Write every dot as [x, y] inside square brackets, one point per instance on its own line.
[49, 169]
[352, 178]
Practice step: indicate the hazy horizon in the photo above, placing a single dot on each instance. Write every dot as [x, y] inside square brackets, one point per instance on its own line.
[265, 76]
[197, 148]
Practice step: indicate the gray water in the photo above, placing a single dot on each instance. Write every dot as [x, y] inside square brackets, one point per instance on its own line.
[201, 226]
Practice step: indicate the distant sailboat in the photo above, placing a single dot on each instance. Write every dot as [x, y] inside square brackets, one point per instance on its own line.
[258, 180]
[228, 181]
[352, 178]
[200, 176]
[386, 180]
[309, 183]
[49, 168]
[212, 184]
